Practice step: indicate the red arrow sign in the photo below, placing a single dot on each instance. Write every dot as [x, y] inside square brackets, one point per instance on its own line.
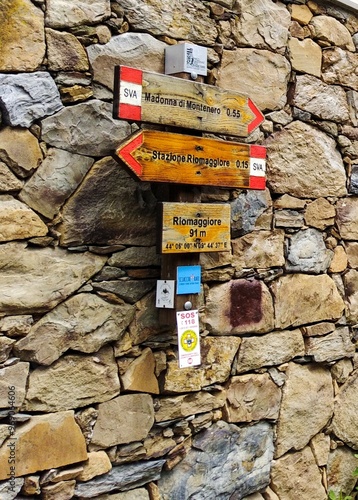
[165, 157]
[156, 98]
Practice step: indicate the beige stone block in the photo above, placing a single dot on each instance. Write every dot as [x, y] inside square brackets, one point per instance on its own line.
[20, 150]
[212, 260]
[18, 221]
[262, 25]
[31, 485]
[319, 213]
[38, 279]
[342, 370]
[84, 12]
[22, 36]
[56, 433]
[288, 219]
[336, 345]
[157, 445]
[301, 299]
[146, 51]
[16, 326]
[301, 13]
[218, 275]
[4, 433]
[340, 467]
[306, 407]
[320, 445]
[63, 490]
[272, 349]
[239, 306]
[55, 475]
[8, 181]
[243, 69]
[329, 30]
[65, 52]
[153, 17]
[347, 211]
[168, 408]
[84, 322]
[73, 381]
[251, 398]
[351, 295]
[318, 329]
[112, 426]
[13, 380]
[290, 150]
[338, 67]
[305, 56]
[259, 249]
[296, 475]
[54, 181]
[127, 453]
[140, 375]
[328, 102]
[339, 261]
[97, 463]
[352, 254]
[6, 346]
[287, 201]
[345, 412]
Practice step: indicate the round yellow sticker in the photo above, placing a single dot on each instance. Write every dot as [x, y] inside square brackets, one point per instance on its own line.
[189, 340]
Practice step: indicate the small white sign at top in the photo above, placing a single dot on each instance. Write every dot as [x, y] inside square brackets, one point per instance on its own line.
[353, 4]
[187, 58]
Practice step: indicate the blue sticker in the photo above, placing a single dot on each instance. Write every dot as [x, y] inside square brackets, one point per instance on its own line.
[188, 279]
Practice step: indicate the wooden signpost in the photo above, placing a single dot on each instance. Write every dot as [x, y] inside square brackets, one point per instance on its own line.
[167, 100]
[167, 157]
[188, 226]
[194, 227]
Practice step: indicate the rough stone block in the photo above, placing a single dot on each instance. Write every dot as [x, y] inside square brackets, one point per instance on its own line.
[36, 434]
[28, 97]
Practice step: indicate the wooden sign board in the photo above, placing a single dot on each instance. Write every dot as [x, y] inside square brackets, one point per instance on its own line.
[194, 227]
[155, 156]
[167, 100]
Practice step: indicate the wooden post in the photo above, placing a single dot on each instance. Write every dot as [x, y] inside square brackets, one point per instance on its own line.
[184, 194]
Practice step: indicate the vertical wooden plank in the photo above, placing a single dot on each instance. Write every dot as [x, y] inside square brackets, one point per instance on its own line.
[180, 193]
[170, 262]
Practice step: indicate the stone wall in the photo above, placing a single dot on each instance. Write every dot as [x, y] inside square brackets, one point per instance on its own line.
[93, 404]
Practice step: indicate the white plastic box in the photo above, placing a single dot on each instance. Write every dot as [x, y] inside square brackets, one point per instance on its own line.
[187, 58]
